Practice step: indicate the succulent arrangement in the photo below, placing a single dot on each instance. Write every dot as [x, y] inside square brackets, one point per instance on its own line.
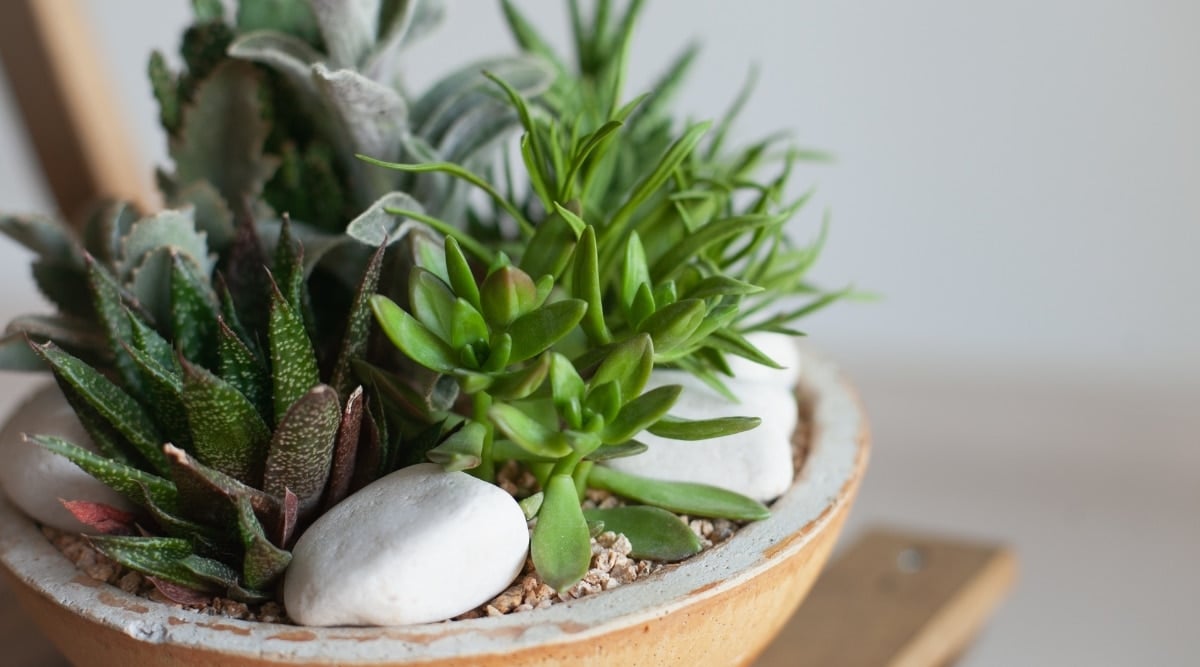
[353, 280]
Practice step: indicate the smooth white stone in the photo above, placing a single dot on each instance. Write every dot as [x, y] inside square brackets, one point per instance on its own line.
[780, 347]
[417, 546]
[35, 478]
[756, 463]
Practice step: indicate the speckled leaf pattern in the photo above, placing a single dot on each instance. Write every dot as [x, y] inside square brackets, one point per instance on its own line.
[653, 533]
[193, 311]
[130, 482]
[358, 326]
[293, 362]
[154, 556]
[243, 369]
[681, 497]
[109, 400]
[288, 267]
[227, 432]
[204, 539]
[210, 496]
[263, 563]
[107, 301]
[162, 391]
[302, 448]
[561, 545]
[151, 343]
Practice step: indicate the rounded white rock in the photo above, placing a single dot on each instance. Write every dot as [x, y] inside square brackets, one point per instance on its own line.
[756, 463]
[37, 480]
[417, 546]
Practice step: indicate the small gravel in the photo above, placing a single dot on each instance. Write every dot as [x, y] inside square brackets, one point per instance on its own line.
[611, 565]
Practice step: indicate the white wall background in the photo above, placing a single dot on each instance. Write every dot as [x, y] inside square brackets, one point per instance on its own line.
[1020, 179]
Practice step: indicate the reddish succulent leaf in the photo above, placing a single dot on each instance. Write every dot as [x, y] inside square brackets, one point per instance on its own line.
[287, 517]
[100, 517]
[370, 455]
[358, 325]
[207, 495]
[345, 452]
[180, 594]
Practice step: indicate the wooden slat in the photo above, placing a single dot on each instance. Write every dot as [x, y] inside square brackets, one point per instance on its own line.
[896, 598]
[68, 105]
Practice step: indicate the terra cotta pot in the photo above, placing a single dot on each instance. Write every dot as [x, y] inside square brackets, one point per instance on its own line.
[719, 608]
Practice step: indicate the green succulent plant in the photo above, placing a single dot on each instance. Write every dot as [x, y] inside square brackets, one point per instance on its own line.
[230, 432]
[634, 246]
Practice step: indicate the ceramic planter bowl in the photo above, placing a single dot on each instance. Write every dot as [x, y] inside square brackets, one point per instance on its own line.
[719, 608]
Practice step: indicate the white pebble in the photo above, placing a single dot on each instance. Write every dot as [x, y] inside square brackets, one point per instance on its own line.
[756, 463]
[418, 546]
[34, 478]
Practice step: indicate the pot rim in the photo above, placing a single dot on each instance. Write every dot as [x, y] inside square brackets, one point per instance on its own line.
[837, 456]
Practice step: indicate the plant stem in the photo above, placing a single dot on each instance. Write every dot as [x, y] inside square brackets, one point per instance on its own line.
[487, 467]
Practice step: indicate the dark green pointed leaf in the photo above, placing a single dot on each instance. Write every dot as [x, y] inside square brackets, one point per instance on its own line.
[561, 543]
[643, 305]
[160, 557]
[243, 369]
[414, 340]
[108, 303]
[162, 390]
[462, 450]
[124, 479]
[263, 563]
[118, 408]
[641, 412]
[358, 326]
[654, 533]
[227, 432]
[151, 343]
[684, 429]
[634, 273]
[288, 267]
[530, 434]
[193, 311]
[681, 497]
[302, 448]
[293, 361]
[500, 353]
[535, 332]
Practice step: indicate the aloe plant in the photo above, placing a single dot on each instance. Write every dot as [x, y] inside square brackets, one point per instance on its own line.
[229, 431]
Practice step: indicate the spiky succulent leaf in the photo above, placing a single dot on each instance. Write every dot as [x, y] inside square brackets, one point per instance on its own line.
[130, 482]
[162, 395]
[345, 450]
[357, 332]
[263, 563]
[193, 311]
[118, 408]
[160, 557]
[210, 496]
[302, 448]
[293, 361]
[241, 367]
[227, 432]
